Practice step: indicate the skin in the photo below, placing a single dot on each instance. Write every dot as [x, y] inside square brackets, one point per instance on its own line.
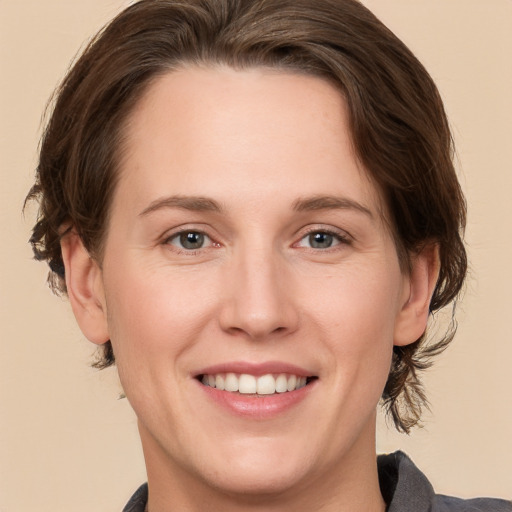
[260, 145]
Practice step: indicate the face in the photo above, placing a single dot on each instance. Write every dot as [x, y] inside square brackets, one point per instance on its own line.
[247, 249]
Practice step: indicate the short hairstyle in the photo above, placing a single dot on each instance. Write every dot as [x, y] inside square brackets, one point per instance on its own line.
[397, 121]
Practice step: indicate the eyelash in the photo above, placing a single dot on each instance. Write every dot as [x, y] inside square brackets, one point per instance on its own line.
[341, 239]
[183, 232]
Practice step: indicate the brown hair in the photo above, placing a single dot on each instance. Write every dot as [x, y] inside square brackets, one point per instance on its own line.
[398, 124]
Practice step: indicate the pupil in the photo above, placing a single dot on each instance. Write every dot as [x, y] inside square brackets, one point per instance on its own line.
[192, 240]
[320, 240]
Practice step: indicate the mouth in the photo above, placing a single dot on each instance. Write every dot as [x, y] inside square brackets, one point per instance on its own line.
[257, 391]
[255, 385]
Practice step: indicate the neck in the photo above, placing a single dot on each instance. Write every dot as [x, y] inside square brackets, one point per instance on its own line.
[352, 486]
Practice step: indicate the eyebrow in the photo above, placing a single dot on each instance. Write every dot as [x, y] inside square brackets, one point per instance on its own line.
[205, 204]
[330, 203]
[192, 203]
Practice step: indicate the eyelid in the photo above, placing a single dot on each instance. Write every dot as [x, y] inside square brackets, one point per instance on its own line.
[188, 228]
[342, 236]
[176, 236]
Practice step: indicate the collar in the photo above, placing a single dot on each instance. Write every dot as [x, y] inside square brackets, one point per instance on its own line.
[403, 486]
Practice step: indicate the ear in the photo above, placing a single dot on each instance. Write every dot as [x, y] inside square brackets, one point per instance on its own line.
[85, 288]
[418, 289]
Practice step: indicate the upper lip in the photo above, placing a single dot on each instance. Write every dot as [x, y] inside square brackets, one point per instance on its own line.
[256, 369]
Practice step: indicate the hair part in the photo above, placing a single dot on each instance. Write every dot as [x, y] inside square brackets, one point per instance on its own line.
[398, 124]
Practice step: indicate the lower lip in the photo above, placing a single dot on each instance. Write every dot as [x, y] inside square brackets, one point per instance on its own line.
[257, 406]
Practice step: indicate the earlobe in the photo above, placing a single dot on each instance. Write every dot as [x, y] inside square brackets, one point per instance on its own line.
[85, 288]
[421, 281]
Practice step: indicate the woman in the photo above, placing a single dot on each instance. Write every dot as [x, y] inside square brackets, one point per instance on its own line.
[253, 209]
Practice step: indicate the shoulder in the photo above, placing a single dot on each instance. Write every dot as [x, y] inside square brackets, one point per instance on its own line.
[405, 488]
[450, 504]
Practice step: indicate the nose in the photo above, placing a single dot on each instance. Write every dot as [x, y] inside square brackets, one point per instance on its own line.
[259, 300]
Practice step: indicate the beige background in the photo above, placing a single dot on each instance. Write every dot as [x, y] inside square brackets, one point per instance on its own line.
[66, 441]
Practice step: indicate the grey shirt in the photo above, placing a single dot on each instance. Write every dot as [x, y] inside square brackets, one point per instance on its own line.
[404, 488]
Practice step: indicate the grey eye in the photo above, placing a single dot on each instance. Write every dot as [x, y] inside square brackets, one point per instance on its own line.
[191, 240]
[320, 240]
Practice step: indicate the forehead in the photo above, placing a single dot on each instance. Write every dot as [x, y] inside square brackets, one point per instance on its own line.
[261, 130]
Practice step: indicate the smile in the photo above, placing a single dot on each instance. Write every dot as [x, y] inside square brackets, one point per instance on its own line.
[247, 384]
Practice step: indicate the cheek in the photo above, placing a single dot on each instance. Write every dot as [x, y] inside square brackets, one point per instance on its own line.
[361, 303]
[157, 311]
[356, 317]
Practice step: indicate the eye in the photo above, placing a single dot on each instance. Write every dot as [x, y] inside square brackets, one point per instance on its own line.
[190, 240]
[321, 239]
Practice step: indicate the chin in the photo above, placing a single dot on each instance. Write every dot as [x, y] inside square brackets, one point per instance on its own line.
[262, 466]
[258, 480]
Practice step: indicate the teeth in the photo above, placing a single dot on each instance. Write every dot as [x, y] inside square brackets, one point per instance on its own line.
[292, 382]
[231, 382]
[249, 384]
[266, 385]
[219, 382]
[281, 384]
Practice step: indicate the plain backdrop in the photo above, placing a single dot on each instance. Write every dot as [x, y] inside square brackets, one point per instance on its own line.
[68, 443]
